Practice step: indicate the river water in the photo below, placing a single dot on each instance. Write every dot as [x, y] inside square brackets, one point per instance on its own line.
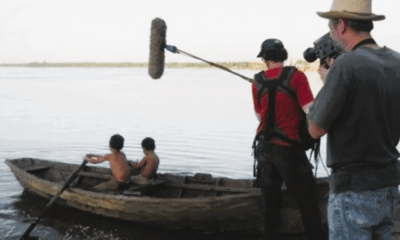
[202, 121]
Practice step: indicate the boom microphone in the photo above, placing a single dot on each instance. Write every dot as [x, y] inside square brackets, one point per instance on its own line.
[157, 44]
[157, 56]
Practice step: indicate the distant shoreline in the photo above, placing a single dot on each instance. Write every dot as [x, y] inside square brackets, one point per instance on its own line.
[300, 64]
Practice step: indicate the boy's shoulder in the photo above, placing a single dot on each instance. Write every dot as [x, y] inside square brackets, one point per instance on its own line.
[151, 156]
[117, 155]
[154, 157]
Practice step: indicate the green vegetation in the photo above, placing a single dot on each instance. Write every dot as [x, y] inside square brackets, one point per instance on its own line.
[82, 64]
[301, 64]
[230, 65]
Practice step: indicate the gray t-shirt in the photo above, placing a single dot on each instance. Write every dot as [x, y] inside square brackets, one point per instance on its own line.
[359, 107]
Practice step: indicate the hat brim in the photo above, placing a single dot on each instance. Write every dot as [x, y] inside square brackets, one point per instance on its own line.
[260, 54]
[351, 15]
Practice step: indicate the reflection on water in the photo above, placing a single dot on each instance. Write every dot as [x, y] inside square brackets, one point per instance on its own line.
[202, 121]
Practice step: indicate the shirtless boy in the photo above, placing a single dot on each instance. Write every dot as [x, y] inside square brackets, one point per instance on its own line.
[148, 165]
[118, 164]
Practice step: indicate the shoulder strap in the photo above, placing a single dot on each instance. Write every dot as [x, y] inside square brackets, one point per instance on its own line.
[261, 90]
[282, 82]
[285, 84]
[265, 86]
[270, 124]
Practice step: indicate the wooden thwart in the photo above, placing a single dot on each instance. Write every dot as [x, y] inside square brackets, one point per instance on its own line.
[32, 169]
[207, 187]
[95, 175]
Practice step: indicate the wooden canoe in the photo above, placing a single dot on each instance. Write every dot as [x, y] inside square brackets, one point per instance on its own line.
[200, 202]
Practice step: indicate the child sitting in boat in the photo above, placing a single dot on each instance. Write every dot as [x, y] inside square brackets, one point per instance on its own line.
[118, 164]
[148, 165]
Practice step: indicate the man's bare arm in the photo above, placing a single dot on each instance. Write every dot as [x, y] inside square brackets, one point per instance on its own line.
[315, 130]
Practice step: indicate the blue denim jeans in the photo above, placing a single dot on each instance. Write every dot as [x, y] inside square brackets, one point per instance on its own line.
[363, 215]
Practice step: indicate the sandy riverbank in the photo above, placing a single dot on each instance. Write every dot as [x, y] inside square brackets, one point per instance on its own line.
[300, 64]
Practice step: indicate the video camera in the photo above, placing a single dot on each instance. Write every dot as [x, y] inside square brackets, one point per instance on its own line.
[323, 48]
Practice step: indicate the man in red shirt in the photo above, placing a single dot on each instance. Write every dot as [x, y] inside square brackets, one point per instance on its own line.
[280, 94]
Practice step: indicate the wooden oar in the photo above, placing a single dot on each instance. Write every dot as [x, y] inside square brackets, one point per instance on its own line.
[69, 180]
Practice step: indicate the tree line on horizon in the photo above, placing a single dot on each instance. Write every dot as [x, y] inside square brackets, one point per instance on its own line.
[300, 64]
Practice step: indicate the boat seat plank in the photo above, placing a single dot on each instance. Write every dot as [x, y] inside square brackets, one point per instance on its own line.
[95, 175]
[207, 187]
[32, 169]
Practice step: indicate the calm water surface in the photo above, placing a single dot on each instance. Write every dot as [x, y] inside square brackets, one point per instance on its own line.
[201, 120]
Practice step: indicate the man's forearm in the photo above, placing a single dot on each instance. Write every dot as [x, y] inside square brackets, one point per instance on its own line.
[315, 130]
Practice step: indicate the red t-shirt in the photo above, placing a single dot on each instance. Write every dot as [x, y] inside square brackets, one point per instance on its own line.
[287, 115]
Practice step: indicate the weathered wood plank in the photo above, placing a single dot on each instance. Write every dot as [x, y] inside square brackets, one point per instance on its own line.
[95, 175]
[227, 211]
[132, 193]
[207, 187]
[32, 169]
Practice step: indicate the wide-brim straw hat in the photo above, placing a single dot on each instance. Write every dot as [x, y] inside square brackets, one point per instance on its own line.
[351, 9]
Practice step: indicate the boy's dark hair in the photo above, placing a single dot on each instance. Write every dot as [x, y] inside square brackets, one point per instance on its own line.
[276, 55]
[273, 50]
[148, 144]
[117, 142]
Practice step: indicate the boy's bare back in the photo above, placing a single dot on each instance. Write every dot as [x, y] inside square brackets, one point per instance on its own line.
[149, 165]
[119, 166]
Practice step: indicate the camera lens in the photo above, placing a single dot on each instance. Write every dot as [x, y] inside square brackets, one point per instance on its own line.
[310, 55]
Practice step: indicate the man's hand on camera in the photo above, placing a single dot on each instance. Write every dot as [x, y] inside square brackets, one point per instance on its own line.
[324, 68]
[323, 71]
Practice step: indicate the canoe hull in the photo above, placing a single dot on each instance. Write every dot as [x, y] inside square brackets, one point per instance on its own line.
[239, 212]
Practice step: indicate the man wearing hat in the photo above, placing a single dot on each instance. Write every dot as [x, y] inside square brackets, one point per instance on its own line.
[358, 107]
[278, 152]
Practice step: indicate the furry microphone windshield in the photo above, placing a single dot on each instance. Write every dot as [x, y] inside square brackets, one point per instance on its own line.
[157, 45]
[157, 55]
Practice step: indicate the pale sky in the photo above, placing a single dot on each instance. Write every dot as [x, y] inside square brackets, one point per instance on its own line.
[216, 30]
